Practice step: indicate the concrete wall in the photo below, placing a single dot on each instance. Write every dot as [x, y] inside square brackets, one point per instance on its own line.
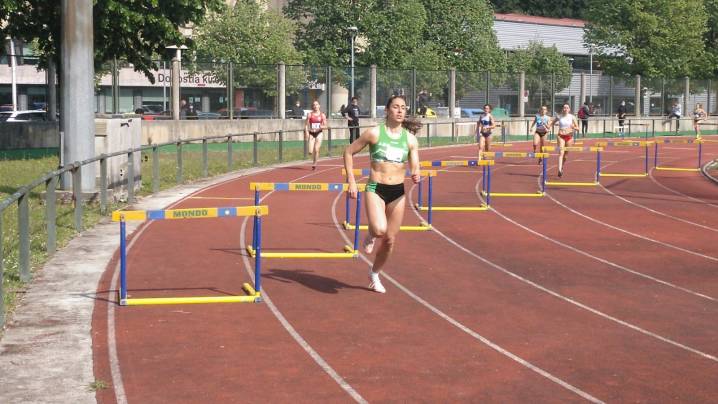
[31, 135]
[113, 135]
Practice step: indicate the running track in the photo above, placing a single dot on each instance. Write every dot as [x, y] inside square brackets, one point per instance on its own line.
[589, 294]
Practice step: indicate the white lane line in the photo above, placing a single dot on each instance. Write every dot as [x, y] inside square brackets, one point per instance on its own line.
[655, 181]
[321, 362]
[115, 370]
[594, 257]
[658, 212]
[708, 257]
[568, 299]
[461, 326]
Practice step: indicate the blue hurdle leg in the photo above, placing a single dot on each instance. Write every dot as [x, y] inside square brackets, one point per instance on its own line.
[655, 154]
[543, 174]
[431, 186]
[254, 221]
[483, 178]
[598, 165]
[421, 196]
[357, 222]
[700, 154]
[123, 260]
[646, 159]
[258, 257]
[347, 219]
[488, 185]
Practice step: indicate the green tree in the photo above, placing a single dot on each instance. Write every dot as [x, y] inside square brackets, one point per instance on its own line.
[544, 8]
[711, 39]
[455, 33]
[255, 40]
[462, 31]
[654, 38]
[542, 65]
[135, 31]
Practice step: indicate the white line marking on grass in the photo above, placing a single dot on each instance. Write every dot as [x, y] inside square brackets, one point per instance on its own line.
[464, 328]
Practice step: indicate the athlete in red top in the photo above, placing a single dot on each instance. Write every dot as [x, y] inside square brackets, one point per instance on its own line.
[316, 121]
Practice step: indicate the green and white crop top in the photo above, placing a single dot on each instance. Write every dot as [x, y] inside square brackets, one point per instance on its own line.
[388, 149]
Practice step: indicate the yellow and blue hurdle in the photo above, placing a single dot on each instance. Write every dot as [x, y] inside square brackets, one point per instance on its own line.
[485, 185]
[349, 251]
[254, 293]
[501, 154]
[597, 173]
[699, 142]
[628, 143]
[424, 226]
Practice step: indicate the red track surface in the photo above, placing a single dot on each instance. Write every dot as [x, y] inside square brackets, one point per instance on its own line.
[605, 293]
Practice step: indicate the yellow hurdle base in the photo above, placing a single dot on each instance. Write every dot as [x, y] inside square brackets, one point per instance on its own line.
[252, 297]
[349, 252]
[456, 208]
[642, 175]
[572, 184]
[677, 169]
[536, 194]
[422, 227]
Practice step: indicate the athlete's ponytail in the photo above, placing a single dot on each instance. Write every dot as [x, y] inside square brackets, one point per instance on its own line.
[413, 125]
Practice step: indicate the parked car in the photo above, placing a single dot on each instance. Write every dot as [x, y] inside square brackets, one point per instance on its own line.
[23, 116]
[247, 113]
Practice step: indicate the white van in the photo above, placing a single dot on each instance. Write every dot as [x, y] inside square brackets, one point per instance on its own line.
[23, 116]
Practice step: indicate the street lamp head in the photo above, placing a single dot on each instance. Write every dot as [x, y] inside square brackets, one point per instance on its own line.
[353, 30]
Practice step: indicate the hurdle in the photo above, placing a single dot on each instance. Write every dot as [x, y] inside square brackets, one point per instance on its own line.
[699, 142]
[502, 154]
[485, 185]
[348, 251]
[627, 143]
[254, 293]
[423, 226]
[595, 182]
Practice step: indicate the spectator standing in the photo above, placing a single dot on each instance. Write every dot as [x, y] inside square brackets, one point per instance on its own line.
[297, 111]
[352, 115]
[621, 115]
[183, 109]
[676, 112]
[583, 115]
[422, 101]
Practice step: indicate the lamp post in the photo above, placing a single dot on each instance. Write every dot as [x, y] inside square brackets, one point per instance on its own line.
[13, 68]
[353, 32]
[590, 75]
[175, 86]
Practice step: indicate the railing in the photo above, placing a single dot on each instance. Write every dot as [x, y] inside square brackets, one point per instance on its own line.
[261, 151]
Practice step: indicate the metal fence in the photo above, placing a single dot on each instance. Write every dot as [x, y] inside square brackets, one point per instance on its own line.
[224, 90]
[176, 162]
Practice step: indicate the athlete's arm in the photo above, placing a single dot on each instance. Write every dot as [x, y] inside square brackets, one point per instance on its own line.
[306, 126]
[370, 136]
[414, 159]
[324, 121]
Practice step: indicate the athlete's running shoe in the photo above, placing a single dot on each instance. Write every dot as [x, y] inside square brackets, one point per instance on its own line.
[375, 284]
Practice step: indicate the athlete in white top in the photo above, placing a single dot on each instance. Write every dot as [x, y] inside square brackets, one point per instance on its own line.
[567, 126]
